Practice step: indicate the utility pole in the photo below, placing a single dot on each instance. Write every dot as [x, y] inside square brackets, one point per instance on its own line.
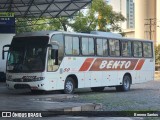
[151, 23]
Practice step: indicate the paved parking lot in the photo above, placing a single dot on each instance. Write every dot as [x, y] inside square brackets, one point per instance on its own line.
[141, 97]
[24, 100]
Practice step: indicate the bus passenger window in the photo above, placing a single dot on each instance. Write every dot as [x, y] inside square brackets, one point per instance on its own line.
[102, 47]
[87, 46]
[75, 43]
[68, 45]
[137, 46]
[114, 49]
[105, 47]
[71, 45]
[126, 49]
[91, 46]
[147, 49]
[99, 47]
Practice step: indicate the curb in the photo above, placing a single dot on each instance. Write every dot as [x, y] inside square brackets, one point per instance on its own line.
[54, 97]
[85, 107]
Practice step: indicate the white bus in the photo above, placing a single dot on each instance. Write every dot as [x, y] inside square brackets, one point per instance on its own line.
[52, 60]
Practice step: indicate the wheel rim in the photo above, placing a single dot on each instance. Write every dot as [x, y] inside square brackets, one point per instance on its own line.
[126, 82]
[69, 87]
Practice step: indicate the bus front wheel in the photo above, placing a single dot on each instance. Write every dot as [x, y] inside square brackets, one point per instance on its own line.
[126, 84]
[69, 86]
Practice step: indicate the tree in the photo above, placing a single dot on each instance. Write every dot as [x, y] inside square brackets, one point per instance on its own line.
[33, 24]
[157, 54]
[100, 16]
[83, 23]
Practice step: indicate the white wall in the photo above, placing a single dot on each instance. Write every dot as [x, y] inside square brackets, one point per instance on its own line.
[4, 39]
[158, 22]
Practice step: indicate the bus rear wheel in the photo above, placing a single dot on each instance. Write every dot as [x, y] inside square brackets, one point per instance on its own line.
[126, 84]
[69, 86]
[97, 89]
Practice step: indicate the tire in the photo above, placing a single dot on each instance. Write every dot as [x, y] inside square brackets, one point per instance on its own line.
[69, 86]
[97, 89]
[126, 84]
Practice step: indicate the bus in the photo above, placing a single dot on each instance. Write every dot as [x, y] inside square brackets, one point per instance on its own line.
[54, 60]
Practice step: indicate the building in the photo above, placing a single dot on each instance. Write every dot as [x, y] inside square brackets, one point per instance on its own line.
[147, 20]
[126, 8]
[143, 18]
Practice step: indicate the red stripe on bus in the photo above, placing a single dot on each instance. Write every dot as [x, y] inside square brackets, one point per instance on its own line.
[87, 63]
[140, 64]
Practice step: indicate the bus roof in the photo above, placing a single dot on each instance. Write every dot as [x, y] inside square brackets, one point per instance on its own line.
[92, 34]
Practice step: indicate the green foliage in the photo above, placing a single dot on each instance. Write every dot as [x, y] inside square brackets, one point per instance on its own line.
[157, 54]
[83, 23]
[32, 24]
[100, 16]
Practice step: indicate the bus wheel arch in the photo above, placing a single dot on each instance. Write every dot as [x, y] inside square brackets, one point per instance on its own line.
[126, 83]
[71, 83]
[128, 74]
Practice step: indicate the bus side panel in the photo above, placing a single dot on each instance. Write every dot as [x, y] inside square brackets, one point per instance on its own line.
[134, 78]
[75, 66]
[81, 79]
[87, 78]
[96, 78]
[147, 71]
[52, 80]
[110, 78]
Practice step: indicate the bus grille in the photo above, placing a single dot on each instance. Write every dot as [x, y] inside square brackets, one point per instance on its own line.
[23, 80]
[21, 86]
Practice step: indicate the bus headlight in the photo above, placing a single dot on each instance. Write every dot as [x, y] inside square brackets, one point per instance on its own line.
[9, 78]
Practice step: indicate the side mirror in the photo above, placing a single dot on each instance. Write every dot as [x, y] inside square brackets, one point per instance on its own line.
[53, 46]
[54, 52]
[2, 54]
[3, 51]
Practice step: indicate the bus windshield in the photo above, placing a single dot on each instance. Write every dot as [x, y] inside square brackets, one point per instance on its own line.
[27, 54]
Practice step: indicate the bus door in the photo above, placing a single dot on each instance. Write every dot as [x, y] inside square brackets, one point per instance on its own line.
[53, 67]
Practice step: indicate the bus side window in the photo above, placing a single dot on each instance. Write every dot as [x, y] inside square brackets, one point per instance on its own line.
[147, 49]
[102, 47]
[84, 46]
[137, 49]
[68, 45]
[59, 38]
[99, 47]
[105, 47]
[114, 48]
[71, 45]
[87, 46]
[126, 49]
